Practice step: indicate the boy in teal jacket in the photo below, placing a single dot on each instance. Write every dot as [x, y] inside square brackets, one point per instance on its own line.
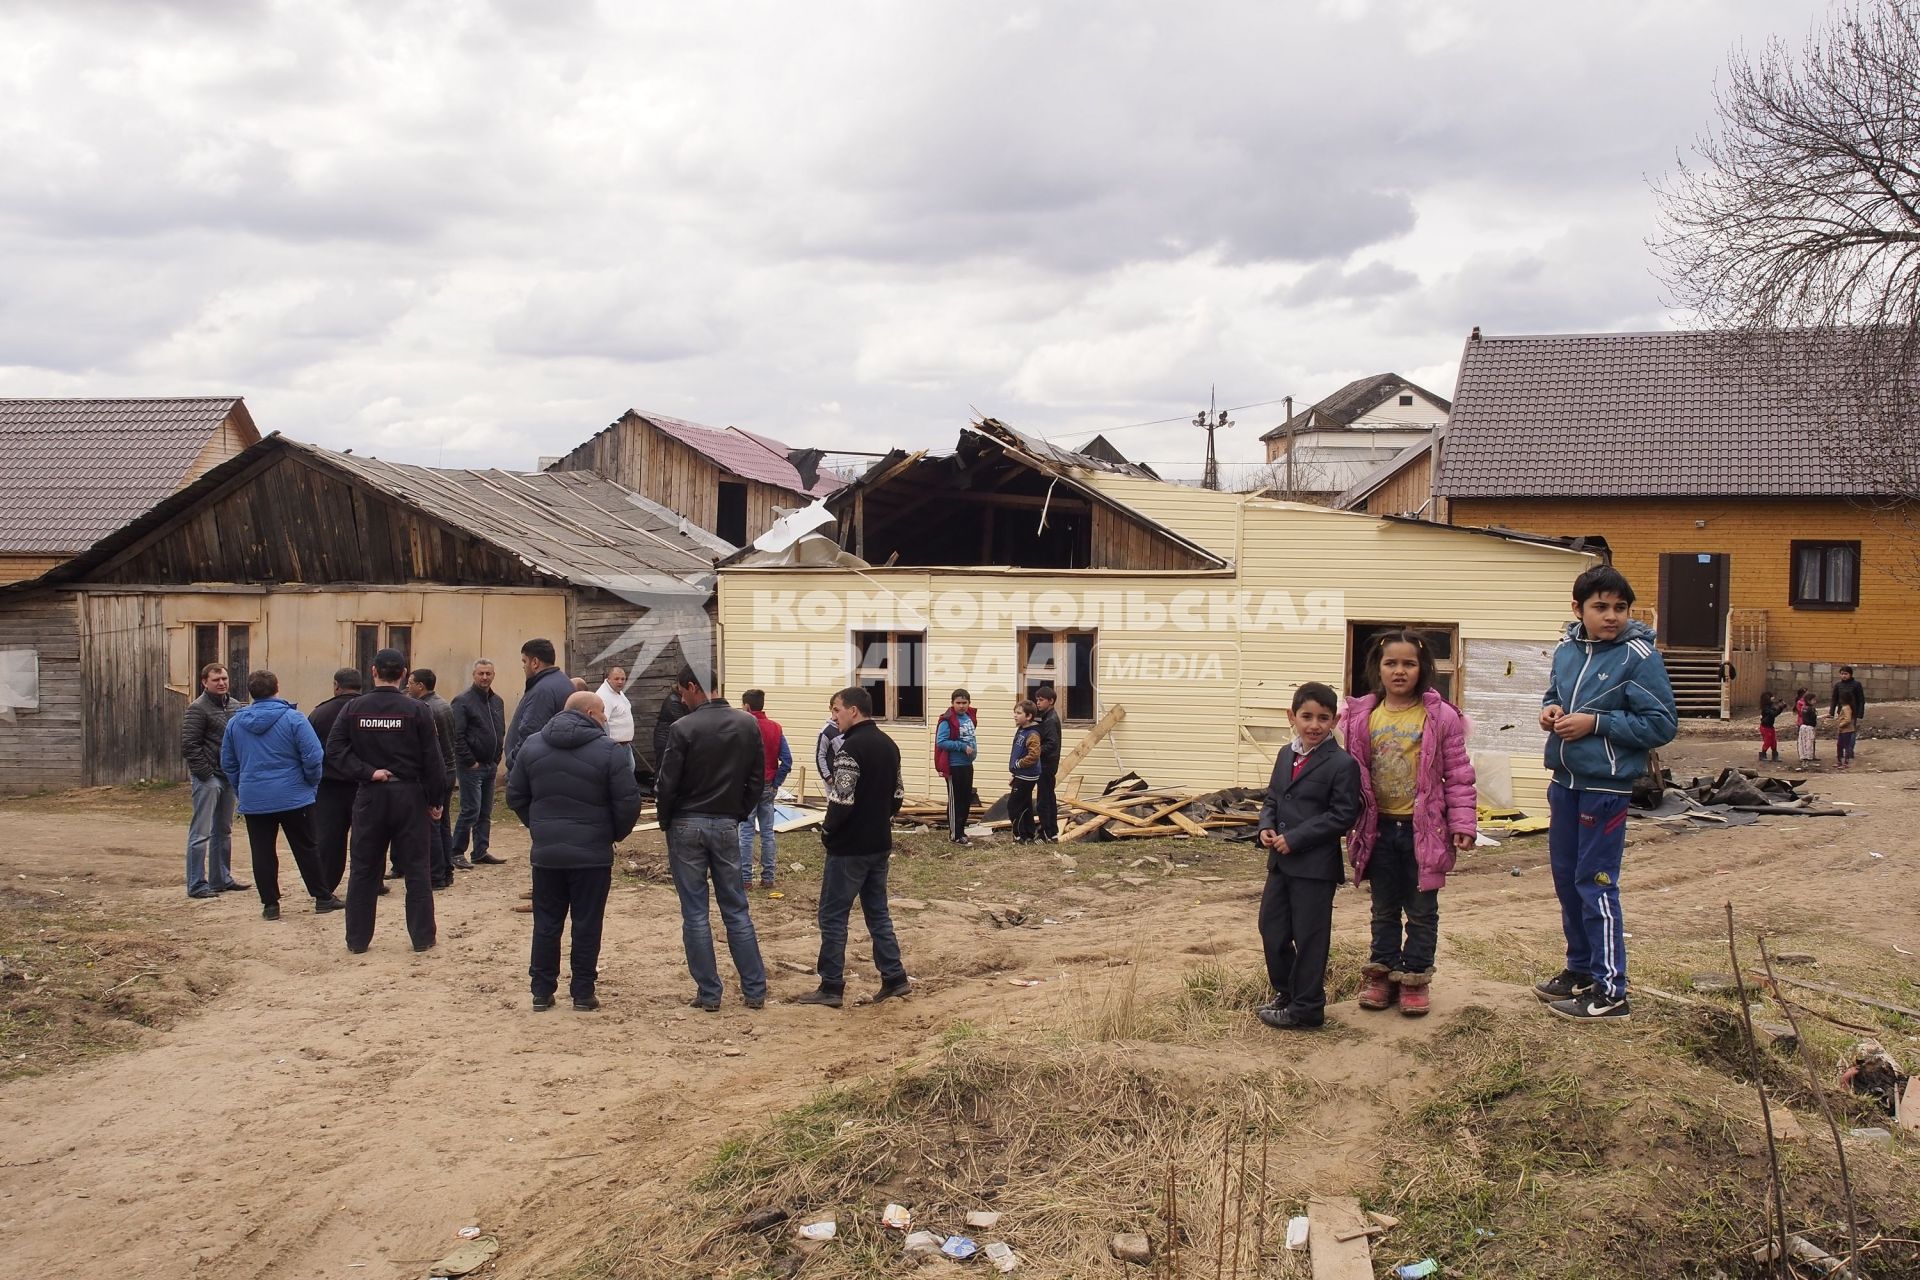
[1608, 704]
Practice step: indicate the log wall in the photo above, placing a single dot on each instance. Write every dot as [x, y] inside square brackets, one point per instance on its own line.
[43, 748]
[604, 632]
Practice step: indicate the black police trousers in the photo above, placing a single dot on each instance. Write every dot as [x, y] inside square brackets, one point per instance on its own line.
[389, 815]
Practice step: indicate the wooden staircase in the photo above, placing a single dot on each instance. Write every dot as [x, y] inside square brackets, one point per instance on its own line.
[1695, 674]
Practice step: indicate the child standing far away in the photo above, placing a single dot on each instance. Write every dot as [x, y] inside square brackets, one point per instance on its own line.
[1025, 767]
[1806, 715]
[1312, 800]
[1770, 710]
[1416, 813]
[954, 749]
[1607, 705]
[1845, 728]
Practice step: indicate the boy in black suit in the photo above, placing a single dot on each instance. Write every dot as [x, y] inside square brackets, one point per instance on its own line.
[1312, 800]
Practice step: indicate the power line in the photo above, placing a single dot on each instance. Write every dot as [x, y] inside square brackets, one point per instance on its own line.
[1158, 422]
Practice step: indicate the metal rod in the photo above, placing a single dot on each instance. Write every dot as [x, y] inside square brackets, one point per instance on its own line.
[1779, 1206]
[1220, 1235]
[1239, 1199]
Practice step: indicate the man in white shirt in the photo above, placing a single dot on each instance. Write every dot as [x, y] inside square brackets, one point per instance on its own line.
[613, 696]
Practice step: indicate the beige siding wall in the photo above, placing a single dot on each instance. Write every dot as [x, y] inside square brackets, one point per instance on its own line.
[20, 568]
[229, 438]
[1205, 665]
[1205, 516]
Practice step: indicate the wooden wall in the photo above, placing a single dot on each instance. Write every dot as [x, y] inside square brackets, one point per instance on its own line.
[604, 632]
[1120, 543]
[20, 568]
[235, 432]
[44, 748]
[653, 464]
[288, 521]
[1409, 490]
[132, 717]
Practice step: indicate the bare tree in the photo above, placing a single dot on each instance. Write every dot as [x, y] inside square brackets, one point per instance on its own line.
[1802, 212]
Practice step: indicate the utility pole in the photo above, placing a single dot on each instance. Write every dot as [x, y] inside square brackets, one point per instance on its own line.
[1210, 421]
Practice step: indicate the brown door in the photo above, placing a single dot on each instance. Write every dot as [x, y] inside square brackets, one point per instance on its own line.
[1693, 600]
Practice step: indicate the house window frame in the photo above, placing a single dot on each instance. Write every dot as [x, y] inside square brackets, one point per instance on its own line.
[1454, 667]
[383, 639]
[1406, 400]
[1819, 603]
[224, 654]
[1033, 674]
[887, 707]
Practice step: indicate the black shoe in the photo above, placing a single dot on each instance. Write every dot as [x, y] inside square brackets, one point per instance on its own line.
[463, 863]
[704, 1006]
[383, 890]
[1287, 1020]
[442, 884]
[234, 886]
[831, 999]
[423, 946]
[204, 893]
[394, 874]
[489, 860]
[270, 912]
[1279, 1000]
[962, 841]
[542, 1003]
[1565, 985]
[893, 991]
[585, 1004]
[359, 950]
[330, 903]
[755, 1002]
[1592, 1006]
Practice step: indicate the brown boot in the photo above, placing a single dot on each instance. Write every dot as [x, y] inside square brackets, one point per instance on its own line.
[1413, 994]
[1380, 990]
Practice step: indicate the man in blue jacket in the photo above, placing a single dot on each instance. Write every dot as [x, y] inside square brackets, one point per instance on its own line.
[574, 788]
[274, 758]
[1608, 704]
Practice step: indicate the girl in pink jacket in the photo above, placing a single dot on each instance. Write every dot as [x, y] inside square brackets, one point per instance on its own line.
[1417, 810]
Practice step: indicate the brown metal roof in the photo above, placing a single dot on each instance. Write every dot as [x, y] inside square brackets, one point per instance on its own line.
[1639, 415]
[75, 470]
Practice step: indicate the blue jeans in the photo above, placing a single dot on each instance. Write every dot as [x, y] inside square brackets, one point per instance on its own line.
[210, 835]
[1586, 840]
[762, 818]
[476, 810]
[702, 846]
[846, 878]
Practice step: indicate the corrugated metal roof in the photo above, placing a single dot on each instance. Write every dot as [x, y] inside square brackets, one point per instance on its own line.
[745, 454]
[75, 470]
[1641, 415]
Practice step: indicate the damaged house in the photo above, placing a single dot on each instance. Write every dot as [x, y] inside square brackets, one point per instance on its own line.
[1175, 622]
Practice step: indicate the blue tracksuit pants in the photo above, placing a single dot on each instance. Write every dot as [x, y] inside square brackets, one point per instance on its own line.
[1586, 840]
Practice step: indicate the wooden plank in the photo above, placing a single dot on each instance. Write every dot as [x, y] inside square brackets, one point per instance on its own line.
[1101, 728]
[1113, 809]
[1829, 989]
[1334, 1258]
[1907, 1114]
[1085, 829]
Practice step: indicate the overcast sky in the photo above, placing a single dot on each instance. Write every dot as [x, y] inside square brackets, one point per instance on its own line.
[473, 233]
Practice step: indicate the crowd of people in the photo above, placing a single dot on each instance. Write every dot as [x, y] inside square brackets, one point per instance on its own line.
[1379, 788]
[1847, 707]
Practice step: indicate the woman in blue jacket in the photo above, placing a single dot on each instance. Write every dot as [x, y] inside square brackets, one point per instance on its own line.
[274, 759]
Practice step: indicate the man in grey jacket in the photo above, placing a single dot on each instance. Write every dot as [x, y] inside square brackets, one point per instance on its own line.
[210, 833]
[574, 788]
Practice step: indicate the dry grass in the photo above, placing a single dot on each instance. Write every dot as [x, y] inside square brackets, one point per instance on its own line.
[1071, 1141]
[79, 983]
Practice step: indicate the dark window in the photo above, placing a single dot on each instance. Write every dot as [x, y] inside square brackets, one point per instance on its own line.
[891, 667]
[1065, 660]
[1443, 642]
[206, 647]
[1826, 575]
[1406, 399]
[239, 652]
[371, 637]
[401, 638]
[731, 522]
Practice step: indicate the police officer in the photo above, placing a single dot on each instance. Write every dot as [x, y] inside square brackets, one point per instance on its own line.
[385, 741]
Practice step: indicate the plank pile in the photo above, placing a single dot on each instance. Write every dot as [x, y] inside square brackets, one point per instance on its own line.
[1131, 809]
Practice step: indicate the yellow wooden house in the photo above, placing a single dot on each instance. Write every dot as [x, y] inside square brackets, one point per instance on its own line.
[1009, 564]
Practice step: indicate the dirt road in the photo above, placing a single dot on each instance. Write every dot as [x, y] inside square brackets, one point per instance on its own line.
[343, 1116]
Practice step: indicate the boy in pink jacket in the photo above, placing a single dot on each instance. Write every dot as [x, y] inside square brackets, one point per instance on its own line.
[1417, 811]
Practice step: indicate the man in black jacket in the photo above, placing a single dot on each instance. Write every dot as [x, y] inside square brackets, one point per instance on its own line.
[479, 734]
[210, 831]
[333, 804]
[574, 788]
[671, 709]
[422, 685]
[1313, 799]
[548, 688]
[710, 778]
[385, 741]
[863, 794]
[1849, 692]
[1046, 805]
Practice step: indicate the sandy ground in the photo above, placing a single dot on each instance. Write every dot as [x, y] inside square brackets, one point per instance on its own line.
[329, 1115]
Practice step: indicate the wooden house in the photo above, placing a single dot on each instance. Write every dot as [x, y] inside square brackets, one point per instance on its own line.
[76, 470]
[1401, 486]
[1008, 564]
[732, 483]
[302, 560]
[1713, 485]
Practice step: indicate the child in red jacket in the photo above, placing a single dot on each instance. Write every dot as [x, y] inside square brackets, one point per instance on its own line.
[1417, 811]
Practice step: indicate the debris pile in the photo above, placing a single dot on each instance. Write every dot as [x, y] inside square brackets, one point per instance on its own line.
[1730, 798]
